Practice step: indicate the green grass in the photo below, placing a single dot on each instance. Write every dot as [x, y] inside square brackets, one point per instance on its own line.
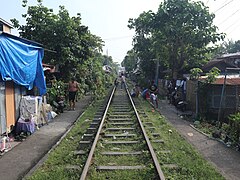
[55, 166]
[191, 165]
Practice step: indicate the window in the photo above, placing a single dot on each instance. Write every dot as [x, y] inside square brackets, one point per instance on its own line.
[1, 27]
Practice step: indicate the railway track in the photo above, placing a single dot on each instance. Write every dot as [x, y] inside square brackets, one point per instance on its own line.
[117, 144]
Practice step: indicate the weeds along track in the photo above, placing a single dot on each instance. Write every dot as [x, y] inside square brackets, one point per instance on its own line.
[116, 143]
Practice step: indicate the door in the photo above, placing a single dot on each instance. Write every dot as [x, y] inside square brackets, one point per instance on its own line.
[3, 123]
[10, 105]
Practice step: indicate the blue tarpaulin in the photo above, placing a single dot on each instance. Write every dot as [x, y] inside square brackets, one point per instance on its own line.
[21, 61]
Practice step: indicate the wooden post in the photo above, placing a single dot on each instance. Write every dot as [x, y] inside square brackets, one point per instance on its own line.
[10, 104]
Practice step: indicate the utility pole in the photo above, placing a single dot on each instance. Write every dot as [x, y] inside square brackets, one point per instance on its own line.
[157, 72]
[223, 94]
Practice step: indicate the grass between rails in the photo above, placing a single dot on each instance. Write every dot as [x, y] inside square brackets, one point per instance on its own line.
[190, 163]
[63, 155]
[143, 159]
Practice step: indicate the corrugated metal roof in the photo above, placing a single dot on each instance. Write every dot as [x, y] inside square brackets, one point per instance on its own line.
[230, 55]
[6, 23]
[229, 80]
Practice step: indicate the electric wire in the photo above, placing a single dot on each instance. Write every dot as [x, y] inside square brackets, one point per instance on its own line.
[224, 5]
[234, 29]
[231, 26]
[229, 16]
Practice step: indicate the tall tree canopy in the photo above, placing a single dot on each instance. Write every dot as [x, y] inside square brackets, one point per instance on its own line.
[227, 47]
[130, 61]
[69, 44]
[71, 41]
[178, 35]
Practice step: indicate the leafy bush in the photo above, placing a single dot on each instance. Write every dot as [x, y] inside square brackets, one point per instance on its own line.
[58, 89]
[234, 127]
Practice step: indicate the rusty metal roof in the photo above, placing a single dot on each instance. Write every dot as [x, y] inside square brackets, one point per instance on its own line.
[220, 80]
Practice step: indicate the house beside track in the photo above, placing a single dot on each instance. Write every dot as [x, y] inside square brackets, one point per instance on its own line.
[20, 70]
[218, 99]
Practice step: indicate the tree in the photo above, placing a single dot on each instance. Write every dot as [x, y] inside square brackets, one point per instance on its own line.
[67, 43]
[72, 42]
[227, 47]
[130, 61]
[179, 32]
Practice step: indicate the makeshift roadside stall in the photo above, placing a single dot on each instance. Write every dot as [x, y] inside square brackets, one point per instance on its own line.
[34, 113]
[29, 114]
[20, 65]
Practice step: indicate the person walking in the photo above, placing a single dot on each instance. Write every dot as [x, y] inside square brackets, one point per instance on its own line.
[72, 91]
[123, 81]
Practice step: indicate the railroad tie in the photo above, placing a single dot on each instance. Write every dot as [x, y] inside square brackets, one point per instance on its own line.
[153, 128]
[120, 135]
[73, 167]
[121, 123]
[98, 116]
[121, 153]
[119, 119]
[121, 115]
[80, 152]
[85, 142]
[91, 129]
[119, 110]
[119, 167]
[96, 119]
[170, 166]
[119, 129]
[88, 135]
[156, 134]
[158, 141]
[164, 152]
[121, 142]
[148, 123]
[94, 123]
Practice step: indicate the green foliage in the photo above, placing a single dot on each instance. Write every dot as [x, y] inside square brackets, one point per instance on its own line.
[58, 89]
[212, 75]
[68, 44]
[191, 164]
[130, 61]
[72, 42]
[203, 87]
[234, 128]
[178, 34]
[227, 47]
[195, 73]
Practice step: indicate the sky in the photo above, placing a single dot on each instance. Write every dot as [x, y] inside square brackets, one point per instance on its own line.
[108, 19]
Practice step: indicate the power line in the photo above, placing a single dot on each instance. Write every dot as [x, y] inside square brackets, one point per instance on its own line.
[230, 26]
[223, 5]
[238, 24]
[229, 16]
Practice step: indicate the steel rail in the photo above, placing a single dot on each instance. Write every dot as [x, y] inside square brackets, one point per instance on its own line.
[153, 155]
[88, 162]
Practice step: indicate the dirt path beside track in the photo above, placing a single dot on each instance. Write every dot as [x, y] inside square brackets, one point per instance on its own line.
[225, 159]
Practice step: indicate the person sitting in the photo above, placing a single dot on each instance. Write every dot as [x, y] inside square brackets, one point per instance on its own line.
[133, 93]
[116, 82]
[153, 90]
[137, 90]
